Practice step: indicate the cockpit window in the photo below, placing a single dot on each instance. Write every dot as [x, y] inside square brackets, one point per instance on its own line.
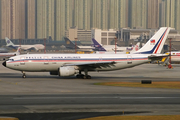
[10, 59]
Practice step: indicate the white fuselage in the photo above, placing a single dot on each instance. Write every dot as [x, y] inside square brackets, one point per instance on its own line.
[3, 56]
[175, 56]
[120, 49]
[35, 46]
[51, 62]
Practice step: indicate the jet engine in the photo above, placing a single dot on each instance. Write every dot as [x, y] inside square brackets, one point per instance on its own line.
[67, 71]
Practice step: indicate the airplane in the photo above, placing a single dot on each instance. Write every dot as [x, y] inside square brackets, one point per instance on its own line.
[3, 50]
[100, 50]
[4, 56]
[175, 57]
[70, 45]
[24, 47]
[72, 64]
[110, 48]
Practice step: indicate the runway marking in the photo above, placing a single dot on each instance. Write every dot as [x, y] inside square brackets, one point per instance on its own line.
[148, 97]
[99, 97]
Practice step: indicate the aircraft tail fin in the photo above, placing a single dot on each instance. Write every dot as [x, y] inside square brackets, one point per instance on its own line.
[155, 43]
[70, 44]
[97, 46]
[136, 47]
[8, 42]
[18, 52]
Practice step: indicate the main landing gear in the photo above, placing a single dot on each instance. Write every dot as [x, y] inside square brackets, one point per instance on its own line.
[24, 75]
[86, 76]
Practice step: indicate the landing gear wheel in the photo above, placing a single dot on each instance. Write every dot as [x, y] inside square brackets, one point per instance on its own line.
[24, 76]
[79, 76]
[87, 77]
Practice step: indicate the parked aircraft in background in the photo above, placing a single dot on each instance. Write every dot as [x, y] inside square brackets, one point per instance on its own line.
[110, 48]
[100, 49]
[24, 47]
[70, 45]
[3, 50]
[5, 56]
[71, 64]
[135, 48]
[175, 57]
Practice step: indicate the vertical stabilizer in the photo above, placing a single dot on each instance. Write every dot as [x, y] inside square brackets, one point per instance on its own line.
[8, 42]
[136, 47]
[18, 51]
[156, 43]
[97, 46]
[70, 44]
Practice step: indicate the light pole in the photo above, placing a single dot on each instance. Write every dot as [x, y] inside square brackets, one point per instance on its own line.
[115, 44]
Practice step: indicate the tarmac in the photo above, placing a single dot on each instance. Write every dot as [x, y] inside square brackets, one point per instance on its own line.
[41, 95]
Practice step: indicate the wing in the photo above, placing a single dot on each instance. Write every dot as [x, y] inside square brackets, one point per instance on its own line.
[93, 65]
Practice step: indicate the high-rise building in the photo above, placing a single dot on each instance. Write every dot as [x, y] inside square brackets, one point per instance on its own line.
[153, 13]
[138, 13]
[37, 19]
[13, 19]
[30, 19]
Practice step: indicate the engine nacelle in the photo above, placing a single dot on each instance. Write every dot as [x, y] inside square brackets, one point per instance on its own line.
[67, 71]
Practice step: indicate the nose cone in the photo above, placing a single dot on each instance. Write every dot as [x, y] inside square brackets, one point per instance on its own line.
[4, 63]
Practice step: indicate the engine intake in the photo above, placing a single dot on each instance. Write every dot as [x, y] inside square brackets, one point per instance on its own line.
[67, 71]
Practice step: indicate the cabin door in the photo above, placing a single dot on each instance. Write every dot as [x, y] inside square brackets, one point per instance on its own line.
[46, 60]
[22, 61]
[129, 59]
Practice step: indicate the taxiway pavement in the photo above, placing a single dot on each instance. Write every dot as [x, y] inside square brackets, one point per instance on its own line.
[42, 93]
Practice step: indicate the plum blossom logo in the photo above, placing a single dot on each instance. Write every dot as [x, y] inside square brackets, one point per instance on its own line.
[8, 41]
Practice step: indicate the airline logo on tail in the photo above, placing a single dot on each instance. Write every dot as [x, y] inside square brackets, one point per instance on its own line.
[152, 42]
[67, 42]
[8, 41]
[136, 47]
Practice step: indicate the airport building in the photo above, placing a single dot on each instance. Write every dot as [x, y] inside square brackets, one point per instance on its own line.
[79, 34]
[105, 37]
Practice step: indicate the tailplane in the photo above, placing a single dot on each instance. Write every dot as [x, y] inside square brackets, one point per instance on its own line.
[156, 43]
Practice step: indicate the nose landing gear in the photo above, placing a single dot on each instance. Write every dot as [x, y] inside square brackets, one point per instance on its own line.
[24, 75]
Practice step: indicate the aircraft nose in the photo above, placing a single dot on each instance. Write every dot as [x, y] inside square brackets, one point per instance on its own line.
[4, 63]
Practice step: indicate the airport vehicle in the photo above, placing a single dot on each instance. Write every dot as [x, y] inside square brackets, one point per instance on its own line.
[110, 48]
[70, 45]
[71, 64]
[5, 56]
[24, 47]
